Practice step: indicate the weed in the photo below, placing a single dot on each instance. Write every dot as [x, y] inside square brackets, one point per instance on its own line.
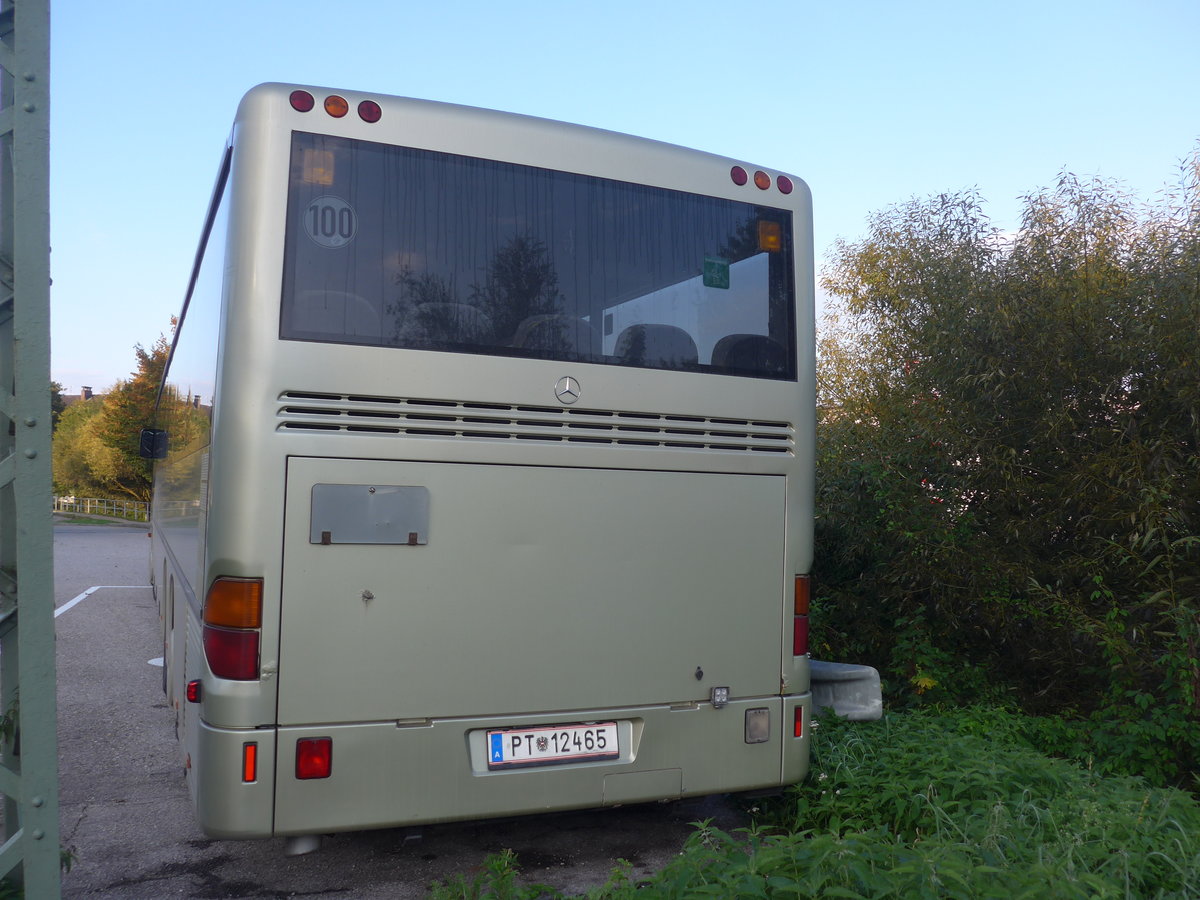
[925, 804]
[495, 879]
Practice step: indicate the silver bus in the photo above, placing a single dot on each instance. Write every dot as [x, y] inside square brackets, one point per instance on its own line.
[484, 472]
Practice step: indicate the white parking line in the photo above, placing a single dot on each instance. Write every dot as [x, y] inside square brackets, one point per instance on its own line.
[97, 587]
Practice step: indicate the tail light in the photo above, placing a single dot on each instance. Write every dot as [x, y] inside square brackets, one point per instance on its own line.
[232, 619]
[231, 652]
[803, 589]
[314, 758]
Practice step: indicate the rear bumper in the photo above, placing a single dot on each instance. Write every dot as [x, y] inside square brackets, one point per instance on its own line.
[388, 775]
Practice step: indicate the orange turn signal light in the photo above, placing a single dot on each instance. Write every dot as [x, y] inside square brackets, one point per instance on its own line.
[234, 603]
[802, 592]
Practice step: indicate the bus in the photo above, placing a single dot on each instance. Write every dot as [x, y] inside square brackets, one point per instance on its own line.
[484, 471]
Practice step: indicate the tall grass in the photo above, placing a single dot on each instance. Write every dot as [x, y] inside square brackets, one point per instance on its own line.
[925, 805]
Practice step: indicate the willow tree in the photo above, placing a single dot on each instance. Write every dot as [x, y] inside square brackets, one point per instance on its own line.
[1010, 471]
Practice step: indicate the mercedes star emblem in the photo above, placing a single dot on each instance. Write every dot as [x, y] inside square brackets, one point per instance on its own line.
[566, 389]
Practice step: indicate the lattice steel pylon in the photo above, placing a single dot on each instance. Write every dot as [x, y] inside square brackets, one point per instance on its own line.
[28, 718]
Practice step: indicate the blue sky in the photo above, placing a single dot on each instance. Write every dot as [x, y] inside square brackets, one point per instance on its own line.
[870, 102]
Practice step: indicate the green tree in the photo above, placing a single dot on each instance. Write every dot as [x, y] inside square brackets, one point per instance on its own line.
[96, 444]
[1010, 457]
[57, 404]
[129, 407]
[76, 447]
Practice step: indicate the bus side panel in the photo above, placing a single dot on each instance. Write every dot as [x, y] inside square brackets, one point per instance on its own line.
[188, 718]
[180, 630]
[228, 804]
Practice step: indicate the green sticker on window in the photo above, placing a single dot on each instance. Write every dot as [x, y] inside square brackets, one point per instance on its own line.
[716, 272]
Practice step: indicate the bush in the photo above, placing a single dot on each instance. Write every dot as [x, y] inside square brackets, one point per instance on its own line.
[1009, 466]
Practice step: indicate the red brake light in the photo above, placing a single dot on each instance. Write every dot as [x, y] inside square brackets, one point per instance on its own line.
[302, 101]
[369, 111]
[231, 653]
[799, 635]
[314, 758]
[800, 598]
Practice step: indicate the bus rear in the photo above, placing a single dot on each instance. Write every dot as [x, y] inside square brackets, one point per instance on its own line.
[507, 502]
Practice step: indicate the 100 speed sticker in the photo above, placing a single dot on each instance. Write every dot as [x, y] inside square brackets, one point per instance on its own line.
[330, 222]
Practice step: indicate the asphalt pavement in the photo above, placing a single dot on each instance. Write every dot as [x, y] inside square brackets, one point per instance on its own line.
[127, 819]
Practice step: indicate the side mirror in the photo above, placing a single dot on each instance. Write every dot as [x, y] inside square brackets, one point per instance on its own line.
[153, 444]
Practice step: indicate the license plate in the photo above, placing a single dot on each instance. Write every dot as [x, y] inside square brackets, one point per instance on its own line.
[549, 744]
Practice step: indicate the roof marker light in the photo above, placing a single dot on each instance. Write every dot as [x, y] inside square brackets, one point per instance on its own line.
[739, 176]
[784, 184]
[302, 101]
[369, 111]
[336, 106]
[762, 180]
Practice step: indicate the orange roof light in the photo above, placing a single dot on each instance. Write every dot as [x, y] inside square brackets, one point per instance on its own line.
[336, 106]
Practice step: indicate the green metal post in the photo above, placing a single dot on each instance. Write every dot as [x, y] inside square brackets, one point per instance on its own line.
[28, 753]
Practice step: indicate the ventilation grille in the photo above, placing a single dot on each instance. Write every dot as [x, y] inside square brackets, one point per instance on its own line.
[407, 418]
